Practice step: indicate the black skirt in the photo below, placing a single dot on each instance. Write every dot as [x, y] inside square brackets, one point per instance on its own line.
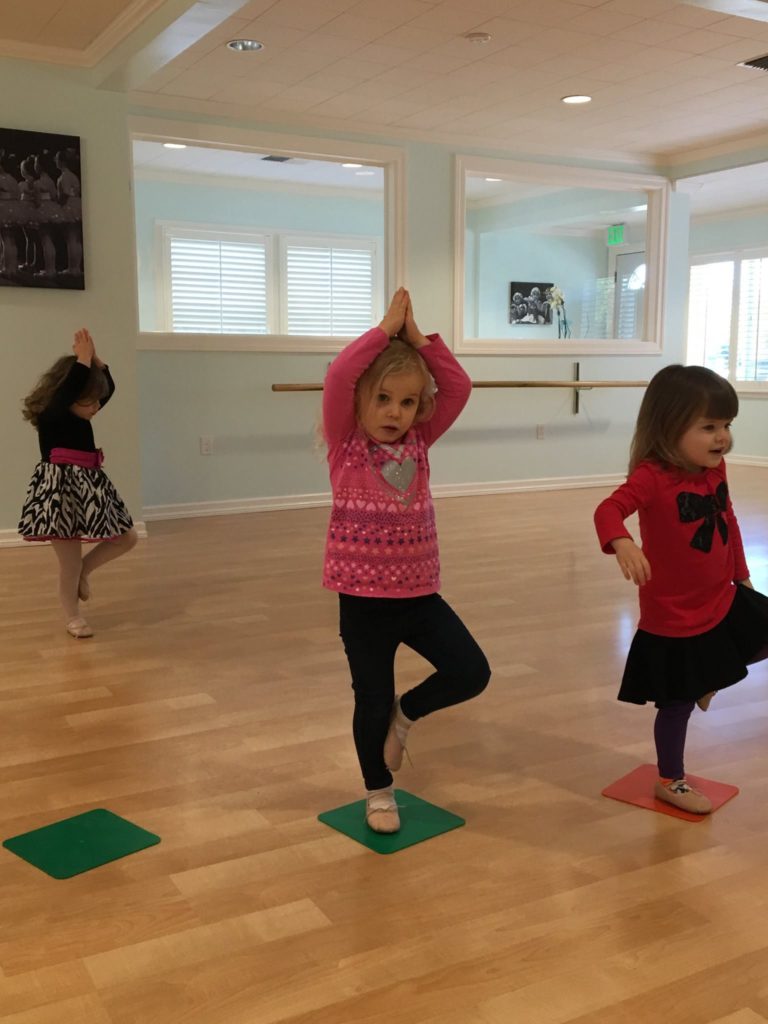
[663, 669]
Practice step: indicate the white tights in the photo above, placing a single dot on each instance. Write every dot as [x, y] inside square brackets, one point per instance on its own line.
[72, 565]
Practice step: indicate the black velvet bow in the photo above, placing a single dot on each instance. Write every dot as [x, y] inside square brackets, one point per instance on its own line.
[710, 508]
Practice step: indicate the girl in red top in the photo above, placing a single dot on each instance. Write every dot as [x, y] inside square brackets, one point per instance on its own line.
[701, 622]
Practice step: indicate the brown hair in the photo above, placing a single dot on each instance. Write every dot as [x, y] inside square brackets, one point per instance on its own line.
[397, 357]
[675, 397]
[44, 392]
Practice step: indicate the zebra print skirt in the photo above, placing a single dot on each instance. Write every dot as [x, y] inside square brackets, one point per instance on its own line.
[68, 502]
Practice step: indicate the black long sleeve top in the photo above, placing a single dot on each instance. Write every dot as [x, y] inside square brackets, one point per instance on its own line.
[58, 427]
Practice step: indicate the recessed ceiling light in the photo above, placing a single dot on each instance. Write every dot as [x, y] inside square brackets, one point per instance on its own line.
[361, 174]
[639, 209]
[478, 37]
[351, 165]
[174, 145]
[245, 45]
[577, 99]
[493, 179]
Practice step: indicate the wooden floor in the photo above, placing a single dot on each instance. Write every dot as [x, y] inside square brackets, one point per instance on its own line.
[213, 708]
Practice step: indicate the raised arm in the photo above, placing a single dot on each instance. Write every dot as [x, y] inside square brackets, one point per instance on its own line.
[453, 384]
[350, 364]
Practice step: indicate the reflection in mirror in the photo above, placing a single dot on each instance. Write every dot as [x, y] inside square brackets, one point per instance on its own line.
[587, 243]
[555, 259]
[253, 243]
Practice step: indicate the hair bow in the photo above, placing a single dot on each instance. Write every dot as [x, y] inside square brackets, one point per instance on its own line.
[710, 508]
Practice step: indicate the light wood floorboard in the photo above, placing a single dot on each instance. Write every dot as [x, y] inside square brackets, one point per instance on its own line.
[213, 707]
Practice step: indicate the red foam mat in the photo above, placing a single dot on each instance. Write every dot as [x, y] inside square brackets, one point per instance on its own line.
[637, 788]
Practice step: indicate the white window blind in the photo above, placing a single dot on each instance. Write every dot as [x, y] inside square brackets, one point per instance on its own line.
[217, 285]
[710, 301]
[329, 289]
[752, 351]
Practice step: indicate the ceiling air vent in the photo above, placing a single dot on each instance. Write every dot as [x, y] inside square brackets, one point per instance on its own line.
[761, 63]
[285, 159]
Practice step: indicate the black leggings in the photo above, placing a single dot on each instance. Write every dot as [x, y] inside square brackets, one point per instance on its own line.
[372, 628]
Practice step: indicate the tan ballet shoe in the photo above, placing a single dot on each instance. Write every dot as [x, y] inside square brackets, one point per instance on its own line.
[79, 629]
[706, 700]
[680, 794]
[381, 811]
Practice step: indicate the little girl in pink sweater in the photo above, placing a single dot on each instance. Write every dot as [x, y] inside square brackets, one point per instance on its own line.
[381, 414]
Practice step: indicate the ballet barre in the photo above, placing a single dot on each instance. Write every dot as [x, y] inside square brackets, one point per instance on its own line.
[577, 385]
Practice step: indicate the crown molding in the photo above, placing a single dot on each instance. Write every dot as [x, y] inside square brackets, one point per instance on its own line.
[118, 29]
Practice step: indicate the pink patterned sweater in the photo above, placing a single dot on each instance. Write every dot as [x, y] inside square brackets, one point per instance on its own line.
[382, 539]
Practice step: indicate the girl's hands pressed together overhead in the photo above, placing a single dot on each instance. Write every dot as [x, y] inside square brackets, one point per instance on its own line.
[83, 347]
[409, 331]
[393, 320]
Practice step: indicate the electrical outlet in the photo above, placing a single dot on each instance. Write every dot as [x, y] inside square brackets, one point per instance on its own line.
[206, 446]
[539, 431]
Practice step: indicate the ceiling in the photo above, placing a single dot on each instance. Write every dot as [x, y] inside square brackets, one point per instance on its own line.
[663, 74]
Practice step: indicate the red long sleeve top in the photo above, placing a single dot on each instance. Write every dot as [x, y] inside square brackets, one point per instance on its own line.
[691, 538]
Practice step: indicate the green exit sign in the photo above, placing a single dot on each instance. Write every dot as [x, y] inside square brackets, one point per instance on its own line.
[616, 234]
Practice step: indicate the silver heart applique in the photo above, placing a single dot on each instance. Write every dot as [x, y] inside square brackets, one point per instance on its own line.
[399, 474]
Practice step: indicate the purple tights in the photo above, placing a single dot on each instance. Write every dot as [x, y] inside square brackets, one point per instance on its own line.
[669, 732]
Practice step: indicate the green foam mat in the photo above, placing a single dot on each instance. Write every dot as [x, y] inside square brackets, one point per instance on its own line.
[77, 844]
[419, 820]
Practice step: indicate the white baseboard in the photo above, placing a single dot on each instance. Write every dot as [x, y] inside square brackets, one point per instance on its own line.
[11, 539]
[748, 460]
[239, 506]
[234, 506]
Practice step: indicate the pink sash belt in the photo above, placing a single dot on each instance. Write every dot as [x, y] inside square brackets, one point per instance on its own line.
[73, 457]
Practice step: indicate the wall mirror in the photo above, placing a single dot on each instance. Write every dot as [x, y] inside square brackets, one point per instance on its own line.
[556, 260]
[254, 243]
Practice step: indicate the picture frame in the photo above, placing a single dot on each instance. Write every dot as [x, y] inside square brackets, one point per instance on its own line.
[41, 220]
[529, 303]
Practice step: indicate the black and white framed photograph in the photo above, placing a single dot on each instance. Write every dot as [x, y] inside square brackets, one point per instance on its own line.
[41, 219]
[529, 302]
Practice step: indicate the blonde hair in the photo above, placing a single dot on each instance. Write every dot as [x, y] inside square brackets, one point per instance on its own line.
[44, 392]
[398, 357]
[676, 397]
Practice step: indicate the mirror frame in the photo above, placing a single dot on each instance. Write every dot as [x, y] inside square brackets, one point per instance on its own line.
[658, 190]
[390, 158]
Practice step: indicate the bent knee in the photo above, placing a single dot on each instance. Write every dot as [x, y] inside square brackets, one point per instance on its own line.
[476, 675]
[482, 676]
[130, 539]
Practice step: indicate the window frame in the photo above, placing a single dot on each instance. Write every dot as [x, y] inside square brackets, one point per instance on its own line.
[742, 387]
[390, 158]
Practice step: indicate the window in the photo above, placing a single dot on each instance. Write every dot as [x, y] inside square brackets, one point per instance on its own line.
[329, 288]
[728, 317]
[231, 282]
[218, 285]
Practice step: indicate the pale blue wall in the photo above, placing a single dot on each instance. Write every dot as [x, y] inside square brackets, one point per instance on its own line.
[748, 230]
[38, 324]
